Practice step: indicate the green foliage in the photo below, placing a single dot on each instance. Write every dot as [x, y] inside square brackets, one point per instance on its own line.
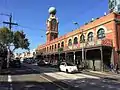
[6, 36]
[20, 41]
[10, 38]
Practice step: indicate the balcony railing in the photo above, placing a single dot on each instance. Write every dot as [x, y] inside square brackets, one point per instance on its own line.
[100, 42]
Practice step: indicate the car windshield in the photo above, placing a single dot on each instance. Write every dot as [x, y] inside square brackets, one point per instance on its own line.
[70, 64]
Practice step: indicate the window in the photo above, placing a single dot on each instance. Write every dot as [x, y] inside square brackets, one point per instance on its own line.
[55, 46]
[52, 47]
[101, 33]
[90, 36]
[82, 38]
[75, 40]
[62, 44]
[69, 42]
[58, 45]
[47, 49]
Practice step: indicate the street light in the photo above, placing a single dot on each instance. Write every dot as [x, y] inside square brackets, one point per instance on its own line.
[75, 23]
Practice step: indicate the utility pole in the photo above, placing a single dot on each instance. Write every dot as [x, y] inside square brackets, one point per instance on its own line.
[10, 23]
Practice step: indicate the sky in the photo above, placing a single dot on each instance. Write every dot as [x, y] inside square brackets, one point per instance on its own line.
[31, 15]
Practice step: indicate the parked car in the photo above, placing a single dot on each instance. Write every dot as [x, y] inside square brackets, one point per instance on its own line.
[15, 63]
[68, 67]
[41, 63]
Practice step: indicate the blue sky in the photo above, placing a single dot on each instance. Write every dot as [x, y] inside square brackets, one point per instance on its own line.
[31, 15]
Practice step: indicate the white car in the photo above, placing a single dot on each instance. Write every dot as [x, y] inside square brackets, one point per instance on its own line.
[68, 67]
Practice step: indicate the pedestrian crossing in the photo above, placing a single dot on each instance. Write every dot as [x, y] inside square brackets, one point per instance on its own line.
[84, 81]
[65, 76]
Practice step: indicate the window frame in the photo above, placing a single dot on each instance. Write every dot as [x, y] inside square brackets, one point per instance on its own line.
[70, 42]
[90, 36]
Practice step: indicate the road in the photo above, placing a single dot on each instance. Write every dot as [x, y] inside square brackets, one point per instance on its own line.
[25, 78]
[32, 77]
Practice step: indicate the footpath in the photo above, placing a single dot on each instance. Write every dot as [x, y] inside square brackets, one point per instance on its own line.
[105, 75]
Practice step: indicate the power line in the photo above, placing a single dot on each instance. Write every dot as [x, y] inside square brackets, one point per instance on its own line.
[32, 28]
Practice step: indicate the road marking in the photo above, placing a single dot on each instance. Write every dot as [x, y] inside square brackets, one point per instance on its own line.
[10, 81]
[9, 78]
[52, 82]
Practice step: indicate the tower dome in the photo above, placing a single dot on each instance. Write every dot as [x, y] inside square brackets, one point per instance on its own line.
[52, 10]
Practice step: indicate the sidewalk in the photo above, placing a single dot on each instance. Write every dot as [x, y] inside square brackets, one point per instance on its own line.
[105, 74]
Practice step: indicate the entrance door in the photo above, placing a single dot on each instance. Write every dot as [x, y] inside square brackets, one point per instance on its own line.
[107, 58]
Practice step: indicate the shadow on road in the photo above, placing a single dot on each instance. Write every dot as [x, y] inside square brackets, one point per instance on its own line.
[34, 85]
[18, 71]
[27, 70]
[66, 84]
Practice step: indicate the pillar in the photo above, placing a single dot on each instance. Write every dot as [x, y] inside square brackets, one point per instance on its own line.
[102, 66]
[74, 57]
[86, 63]
[82, 54]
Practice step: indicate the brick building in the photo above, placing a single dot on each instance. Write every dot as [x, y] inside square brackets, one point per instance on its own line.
[96, 44]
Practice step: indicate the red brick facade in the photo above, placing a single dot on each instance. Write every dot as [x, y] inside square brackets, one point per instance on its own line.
[109, 23]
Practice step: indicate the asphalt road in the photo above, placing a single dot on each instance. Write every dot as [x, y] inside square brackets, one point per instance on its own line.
[25, 78]
[81, 81]
[32, 77]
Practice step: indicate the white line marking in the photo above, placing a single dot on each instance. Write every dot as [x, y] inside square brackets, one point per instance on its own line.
[53, 82]
[10, 80]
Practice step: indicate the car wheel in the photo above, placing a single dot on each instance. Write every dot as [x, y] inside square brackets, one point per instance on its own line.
[59, 69]
[67, 71]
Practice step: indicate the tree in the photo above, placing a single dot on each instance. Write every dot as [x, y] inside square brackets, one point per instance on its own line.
[20, 41]
[13, 39]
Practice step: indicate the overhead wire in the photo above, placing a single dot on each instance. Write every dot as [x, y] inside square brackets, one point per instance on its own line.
[31, 28]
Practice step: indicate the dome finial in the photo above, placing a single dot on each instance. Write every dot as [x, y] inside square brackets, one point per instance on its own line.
[52, 10]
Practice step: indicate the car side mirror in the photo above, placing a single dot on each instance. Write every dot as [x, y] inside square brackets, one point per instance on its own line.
[65, 65]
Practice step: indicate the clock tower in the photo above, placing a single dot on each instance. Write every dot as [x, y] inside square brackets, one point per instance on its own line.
[52, 25]
[114, 6]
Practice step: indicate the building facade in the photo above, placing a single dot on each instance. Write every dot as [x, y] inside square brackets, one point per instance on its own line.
[96, 44]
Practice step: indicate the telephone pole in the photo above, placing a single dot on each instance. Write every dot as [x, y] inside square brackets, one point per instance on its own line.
[10, 23]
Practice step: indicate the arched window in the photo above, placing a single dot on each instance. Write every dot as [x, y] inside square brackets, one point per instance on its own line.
[55, 46]
[82, 38]
[47, 49]
[62, 44]
[58, 45]
[75, 40]
[90, 36]
[69, 42]
[52, 47]
[101, 33]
